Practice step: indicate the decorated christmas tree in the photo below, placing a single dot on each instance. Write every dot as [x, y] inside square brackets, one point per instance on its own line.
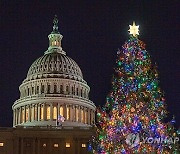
[132, 120]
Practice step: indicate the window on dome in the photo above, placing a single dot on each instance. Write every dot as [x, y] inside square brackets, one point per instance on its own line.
[81, 92]
[28, 92]
[67, 89]
[72, 90]
[24, 92]
[1, 144]
[37, 90]
[77, 92]
[55, 88]
[32, 90]
[55, 42]
[48, 112]
[61, 111]
[61, 89]
[42, 89]
[68, 112]
[48, 89]
[42, 112]
[85, 93]
[54, 112]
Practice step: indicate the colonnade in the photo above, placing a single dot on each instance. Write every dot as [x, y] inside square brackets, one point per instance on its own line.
[51, 111]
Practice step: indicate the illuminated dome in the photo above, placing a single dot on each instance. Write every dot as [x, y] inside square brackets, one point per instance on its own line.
[54, 87]
[55, 65]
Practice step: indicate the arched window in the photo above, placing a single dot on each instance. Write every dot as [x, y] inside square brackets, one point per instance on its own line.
[42, 89]
[37, 92]
[32, 90]
[81, 92]
[55, 88]
[72, 90]
[55, 42]
[42, 112]
[82, 115]
[48, 89]
[61, 89]
[85, 93]
[48, 112]
[77, 114]
[28, 91]
[25, 92]
[67, 89]
[68, 112]
[61, 111]
[54, 112]
[77, 91]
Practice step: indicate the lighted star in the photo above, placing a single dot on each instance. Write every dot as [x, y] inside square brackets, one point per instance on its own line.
[134, 30]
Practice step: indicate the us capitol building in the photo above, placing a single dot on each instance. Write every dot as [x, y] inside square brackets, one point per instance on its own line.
[54, 113]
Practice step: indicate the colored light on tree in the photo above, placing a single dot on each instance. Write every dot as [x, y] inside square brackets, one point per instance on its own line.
[134, 106]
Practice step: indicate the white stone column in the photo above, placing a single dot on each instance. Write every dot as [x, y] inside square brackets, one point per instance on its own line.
[92, 117]
[65, 111]
[16, 116]
[20, 115]
[79, 119]
[24, 114]
[39, 112]
[44, 111]
[73, 113]
[84, 112]
[58, 110]
[29, 110]
[51, 112]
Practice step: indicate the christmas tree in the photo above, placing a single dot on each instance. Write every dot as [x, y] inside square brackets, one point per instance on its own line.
[132, 120]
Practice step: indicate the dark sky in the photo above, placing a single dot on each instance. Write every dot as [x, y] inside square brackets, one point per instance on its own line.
[93, 31]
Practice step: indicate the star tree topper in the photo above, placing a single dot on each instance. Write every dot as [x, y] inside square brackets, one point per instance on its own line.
[134, 30]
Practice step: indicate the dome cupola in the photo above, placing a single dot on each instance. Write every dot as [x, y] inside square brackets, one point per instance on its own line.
[55, 39]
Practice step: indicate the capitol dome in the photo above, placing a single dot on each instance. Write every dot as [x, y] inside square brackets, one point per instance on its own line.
[53, 65]
[54, 89]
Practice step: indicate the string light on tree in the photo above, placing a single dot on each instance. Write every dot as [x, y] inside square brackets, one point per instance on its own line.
[135, 105]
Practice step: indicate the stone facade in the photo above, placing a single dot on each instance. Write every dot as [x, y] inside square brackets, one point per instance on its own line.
[52, 140]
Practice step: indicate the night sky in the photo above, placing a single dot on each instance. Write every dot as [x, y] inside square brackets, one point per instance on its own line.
[93, 31]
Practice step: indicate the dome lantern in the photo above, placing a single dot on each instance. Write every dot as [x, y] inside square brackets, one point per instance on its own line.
[55, 39]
